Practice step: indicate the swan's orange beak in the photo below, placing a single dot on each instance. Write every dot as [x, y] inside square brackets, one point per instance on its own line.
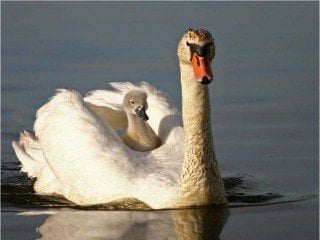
[201, 68]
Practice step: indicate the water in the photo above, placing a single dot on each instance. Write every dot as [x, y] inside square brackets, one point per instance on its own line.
[264, 101]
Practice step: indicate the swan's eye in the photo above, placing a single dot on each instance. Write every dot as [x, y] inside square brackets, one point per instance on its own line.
[132, 102]
[207, 46]
[188, 44]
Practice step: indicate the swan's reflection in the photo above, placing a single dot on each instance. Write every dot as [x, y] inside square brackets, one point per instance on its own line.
[175, 224]
[199, 223]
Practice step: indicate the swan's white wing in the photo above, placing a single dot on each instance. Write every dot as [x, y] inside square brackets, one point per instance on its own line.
[28, 150]
[85, 154]
[162, 112]
[91, 164]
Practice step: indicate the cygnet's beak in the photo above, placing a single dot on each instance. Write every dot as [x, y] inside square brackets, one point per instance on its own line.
[141, 112]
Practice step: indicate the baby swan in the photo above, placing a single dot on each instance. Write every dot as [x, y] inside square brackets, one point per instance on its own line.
[139, 135]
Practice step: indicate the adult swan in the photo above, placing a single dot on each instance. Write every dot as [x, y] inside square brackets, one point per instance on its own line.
[76, 152]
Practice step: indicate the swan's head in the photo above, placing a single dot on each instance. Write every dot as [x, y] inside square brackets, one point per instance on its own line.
[135, 102]
[196, 48]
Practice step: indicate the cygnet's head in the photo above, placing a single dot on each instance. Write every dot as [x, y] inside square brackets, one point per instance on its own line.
[135, 102]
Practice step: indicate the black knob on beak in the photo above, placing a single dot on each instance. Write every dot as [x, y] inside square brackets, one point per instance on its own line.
[202, 51]
[141, 112]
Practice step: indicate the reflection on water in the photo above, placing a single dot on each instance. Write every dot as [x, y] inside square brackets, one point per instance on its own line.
[176, 224]
[199, 223]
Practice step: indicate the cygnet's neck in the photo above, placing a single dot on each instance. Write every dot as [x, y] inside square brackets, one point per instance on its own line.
[200, 181]
[139, 135]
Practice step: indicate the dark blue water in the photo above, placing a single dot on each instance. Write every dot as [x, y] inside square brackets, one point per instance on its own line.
[264, 99]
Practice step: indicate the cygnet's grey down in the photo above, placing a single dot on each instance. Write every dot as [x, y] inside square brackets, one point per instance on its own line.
[139, 135]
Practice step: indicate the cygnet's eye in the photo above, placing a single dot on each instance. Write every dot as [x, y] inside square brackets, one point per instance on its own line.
[132, 102]
[188, 44]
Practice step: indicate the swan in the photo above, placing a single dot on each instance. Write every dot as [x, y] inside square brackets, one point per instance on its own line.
[139, 135]
[76, 152]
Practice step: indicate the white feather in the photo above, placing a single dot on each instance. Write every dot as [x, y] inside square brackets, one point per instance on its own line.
[90, 163]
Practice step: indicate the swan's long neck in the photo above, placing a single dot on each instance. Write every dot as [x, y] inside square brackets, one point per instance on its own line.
[200, 181]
